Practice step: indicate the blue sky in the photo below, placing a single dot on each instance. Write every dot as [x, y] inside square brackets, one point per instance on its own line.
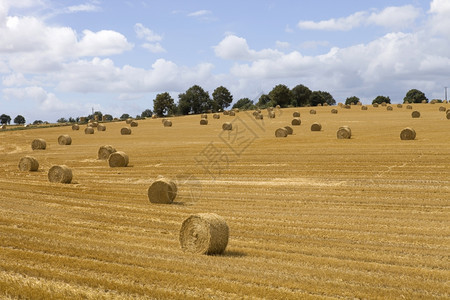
[63, 58]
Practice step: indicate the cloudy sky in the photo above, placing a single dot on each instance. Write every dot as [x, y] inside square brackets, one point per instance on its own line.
[63, 58]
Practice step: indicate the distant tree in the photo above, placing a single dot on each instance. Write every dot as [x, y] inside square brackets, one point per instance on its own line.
[62, 120]
[124, 116]
[321, 97]
[415, 96]
[264, 101]
[98, 114]
[222, 98]
[244, 104]
[72, 120]
[107, 117]
[300, 95]
[381, 99]
[38, 122]
[281, 95]
[164, 105]
[351, 100]
[19, 120]
[5, 119]
[195, 100]
[146, 113]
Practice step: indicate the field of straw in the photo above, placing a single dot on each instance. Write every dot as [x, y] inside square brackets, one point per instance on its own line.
[309, 215]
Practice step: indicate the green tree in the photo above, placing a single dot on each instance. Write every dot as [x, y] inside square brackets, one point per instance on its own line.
[98, 114]
[124, 116]
[381, 99]
[415, 96]
[281, 95]
[264, 101]
[38, 122]
[19, 120]
[5, 119]
[146, 113]
[351, 100]
[244, 104]
[195, 100]
[222, 98]
[300, 95]
[321, 97]
[164, 105]
[107, 117]
[62, 120]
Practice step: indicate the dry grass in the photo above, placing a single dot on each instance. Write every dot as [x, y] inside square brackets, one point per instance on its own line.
[309, 216]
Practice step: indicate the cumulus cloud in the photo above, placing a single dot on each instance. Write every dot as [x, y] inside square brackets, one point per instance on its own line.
[199, 13]
[236, 48]
[341, 24]
[88, 7]
[102, 43]
[151, 37]
[439, 22]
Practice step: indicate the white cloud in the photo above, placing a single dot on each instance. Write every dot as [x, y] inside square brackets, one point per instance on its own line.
[199, 13]
[341, 24]
[15, 79]
[154, 48]
[88, 7]
[236, 48]
[282, 45]
[439, 22]
[102, 43]
[145, 33]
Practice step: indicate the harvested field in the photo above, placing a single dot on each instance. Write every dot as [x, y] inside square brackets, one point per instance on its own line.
[309, 216]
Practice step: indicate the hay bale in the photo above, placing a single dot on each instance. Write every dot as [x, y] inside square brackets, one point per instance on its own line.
[167, 123]
[389, 108]
[271, 115]
[312, 112]
[347, 106]
[281, 132]
[75, 127]
[408, 134]
[399, 105]
[3, 127]
[375, 104]
[296, 122]
[204, 233]
[442, 108]
[325, 104]
[448, 116]
[344, 132]
[424, 101]
[232, 113]
[125, 131]
[255, 113]
[128, 121]
[94, 124]
[118, 159]
[64, 139]
[38, 144]
[60, 174]
[163, 120]
[28, 163]
[289, 130]
[154, 116]
[334, 111]
[259, 116]
[296, 114]
[316, 127]
[383, 104]
[364, 107]
[408, 106]
[204, 116]
[134, 124]
[415, 114]
[89, 130]
[204, 122]
[216, 116]
[227, 126]
[101, 127]
[105, 151]
[162, 191]
[226, 112]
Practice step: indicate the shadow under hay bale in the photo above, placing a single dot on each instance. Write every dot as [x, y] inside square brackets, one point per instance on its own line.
[118, 159]
[204, 122]
[344, 132]
[296, 122]
[204, 233]
[89, 130]
[162, 191]
[415, 114]
[105, 151]
[38, 144]
[60, 174]
[75, 127]
[281, 132]
[28, 163]
[316, 127]
[227, 126]
[125, 131]
[64, 140]
[408, 134]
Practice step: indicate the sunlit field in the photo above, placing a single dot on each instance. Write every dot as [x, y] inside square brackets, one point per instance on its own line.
[310, 215]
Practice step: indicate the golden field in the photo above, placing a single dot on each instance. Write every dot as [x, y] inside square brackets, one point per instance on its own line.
[310, 215]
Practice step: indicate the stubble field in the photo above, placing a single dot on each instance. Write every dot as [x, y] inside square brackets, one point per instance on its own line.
[310, 215]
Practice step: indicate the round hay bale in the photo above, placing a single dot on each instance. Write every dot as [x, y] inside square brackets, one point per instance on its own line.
[296, 114]
[134, 124]
[316, 127]
[442, 108]
[415, 114]
[167, 123]
[94, 124]
[278, 107]
[312, 112]
[105, 151]
[424, 101]
[204, 122]
[289, 130]
[28, 163]
[325, 104]
[375, 104]
[226, 112]
[75, 127]
[296, 122]
[281, 132]
[383, 104]
[408, 134]
[227, 126]
[163, 120]
[204, 116]
[320, 104]
[232, 114]
[64, 139]
[101, 127]
[216, 116]
[271, 115]
[448, 116]
[162, 191]
[334, 111]
[399, 105]
[154, 116]
[118, 159]
[389, 108]
[347, 106]
[60, 174]
[125, 131]
[204, 233]
[128, 121]
[344, 132]
[259, 116]
[38, 144]
[408, 106]
[255, 113]
[364, 107]
[89, 130]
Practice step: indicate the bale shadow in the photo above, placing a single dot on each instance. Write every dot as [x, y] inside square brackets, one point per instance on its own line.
[233, 253]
